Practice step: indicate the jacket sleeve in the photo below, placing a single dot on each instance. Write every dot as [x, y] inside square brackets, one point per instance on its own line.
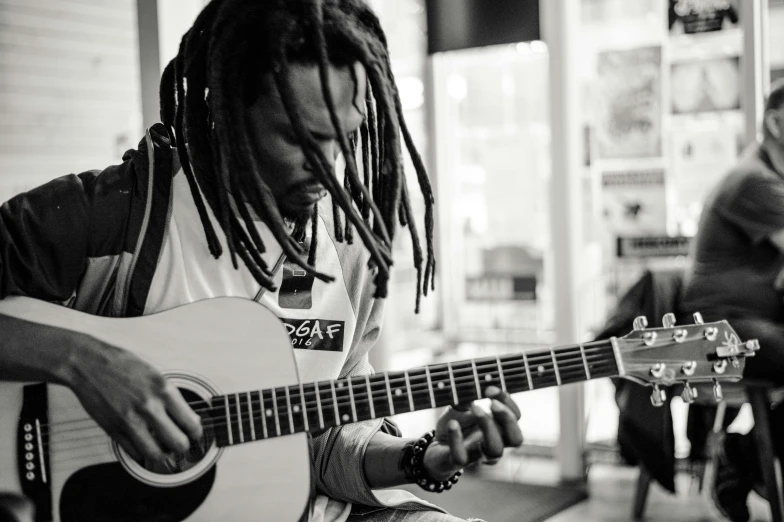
[338, 453]
[48, 235]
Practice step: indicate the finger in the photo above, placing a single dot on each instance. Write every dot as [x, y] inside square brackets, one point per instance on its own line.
[182, 413]
[506, 419]
[494, 393]
[127, 446]
[141, 438]
[165, 429]
[457, 449]
[492, 442]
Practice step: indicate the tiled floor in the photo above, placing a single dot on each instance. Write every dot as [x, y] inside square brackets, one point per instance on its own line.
[612, 490]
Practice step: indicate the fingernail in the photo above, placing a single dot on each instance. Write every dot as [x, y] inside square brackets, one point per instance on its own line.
[453, 425]
[491, 391]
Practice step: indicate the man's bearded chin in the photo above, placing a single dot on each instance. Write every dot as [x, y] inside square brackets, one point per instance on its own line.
[292, 217]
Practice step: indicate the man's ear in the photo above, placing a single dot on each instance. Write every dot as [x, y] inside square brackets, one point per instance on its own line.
[772, 124]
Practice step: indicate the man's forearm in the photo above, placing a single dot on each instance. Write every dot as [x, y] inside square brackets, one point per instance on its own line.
[382, 461]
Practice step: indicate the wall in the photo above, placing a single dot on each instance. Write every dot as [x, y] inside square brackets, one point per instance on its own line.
[69, 88]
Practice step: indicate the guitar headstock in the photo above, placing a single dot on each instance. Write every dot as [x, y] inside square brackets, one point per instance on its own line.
[685, 354]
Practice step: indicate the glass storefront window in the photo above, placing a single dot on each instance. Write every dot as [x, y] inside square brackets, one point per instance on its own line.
[493, 158]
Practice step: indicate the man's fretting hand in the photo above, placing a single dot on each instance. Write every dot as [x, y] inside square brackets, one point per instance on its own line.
[470, 433]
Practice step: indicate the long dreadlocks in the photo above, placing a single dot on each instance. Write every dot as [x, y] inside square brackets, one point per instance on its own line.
[203, 94]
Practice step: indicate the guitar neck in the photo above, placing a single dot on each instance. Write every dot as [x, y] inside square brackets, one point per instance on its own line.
[261, 414]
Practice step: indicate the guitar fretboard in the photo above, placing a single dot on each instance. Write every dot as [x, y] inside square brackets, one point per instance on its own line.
[261, 414]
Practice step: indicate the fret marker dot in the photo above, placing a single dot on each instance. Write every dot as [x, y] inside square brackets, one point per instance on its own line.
[295, 408]
[440, 385]
[340, 385]
[345, 417]
[398, 392]
[269, 413]
[489, 377]
[540, 369]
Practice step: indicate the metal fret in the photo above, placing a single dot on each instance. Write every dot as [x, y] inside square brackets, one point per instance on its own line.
[585, 362]
[501, 374]
[335, 402]
[228, 419]
[528, 372]
[318, 405]
[275, 409]
[555, 368]
[252, 422]
[239, 418]
[304, 410]
[430, 388]
[351, 399]
[263, 414]
[476, 380]
[389, 394]
[408, 387]
[288, 405]
[370, 397]
[452, 382]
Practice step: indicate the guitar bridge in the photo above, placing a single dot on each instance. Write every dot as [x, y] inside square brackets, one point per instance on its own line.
[32, 437]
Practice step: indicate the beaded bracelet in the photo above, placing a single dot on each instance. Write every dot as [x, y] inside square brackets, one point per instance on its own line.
[413, 465]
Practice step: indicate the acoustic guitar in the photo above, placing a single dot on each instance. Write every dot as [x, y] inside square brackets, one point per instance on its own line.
[232, 360]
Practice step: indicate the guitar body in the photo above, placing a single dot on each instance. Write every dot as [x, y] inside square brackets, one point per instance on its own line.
[214, 347]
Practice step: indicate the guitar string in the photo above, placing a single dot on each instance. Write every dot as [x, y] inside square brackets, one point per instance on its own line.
[326, 385]
[544, 354]
[66, 454]
[467, 381]
[363, 398]
[101, 434]
[416, 388]
[104, 436]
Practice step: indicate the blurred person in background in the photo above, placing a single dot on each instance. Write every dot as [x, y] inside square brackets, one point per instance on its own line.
[737, 274]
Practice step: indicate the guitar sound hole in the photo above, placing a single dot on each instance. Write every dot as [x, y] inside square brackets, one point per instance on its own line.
[178, 463]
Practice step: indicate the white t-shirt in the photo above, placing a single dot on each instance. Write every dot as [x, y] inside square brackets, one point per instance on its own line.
[187, 272]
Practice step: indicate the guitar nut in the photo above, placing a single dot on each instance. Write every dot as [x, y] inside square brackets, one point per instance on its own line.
[30, 475]
[29, 456]
[28, 436]
[30, 466]
[29, 446]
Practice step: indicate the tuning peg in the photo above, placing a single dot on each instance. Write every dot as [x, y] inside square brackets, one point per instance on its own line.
[668, 320]
[640, 323]
[711, 333]
[720, 366]
[718, 395]
[689, 394]
[658, 396]
[689, 368]
[698, 318]
[657, 370]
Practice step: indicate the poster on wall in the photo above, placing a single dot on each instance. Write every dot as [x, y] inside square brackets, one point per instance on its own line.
[700, 158]
[705, 85]
[702, 16]
[634, 201]
[629, 120]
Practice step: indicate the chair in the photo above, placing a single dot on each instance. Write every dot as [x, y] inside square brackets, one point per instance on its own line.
[15, 508]
[762, 396]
